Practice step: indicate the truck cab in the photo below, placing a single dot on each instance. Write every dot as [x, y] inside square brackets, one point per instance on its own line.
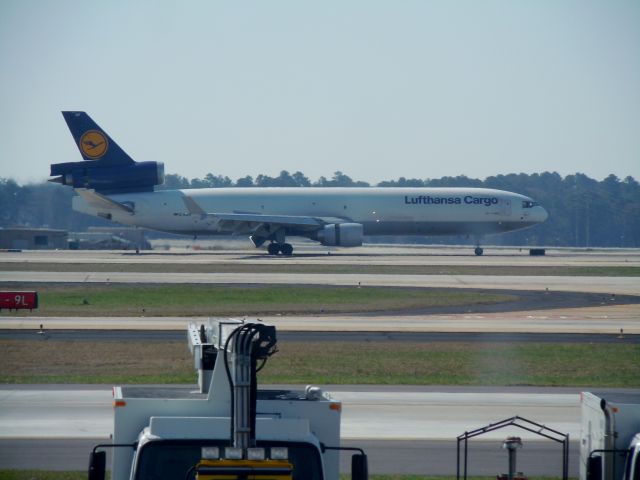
[226, 428]
[610, 437]
[632, 468]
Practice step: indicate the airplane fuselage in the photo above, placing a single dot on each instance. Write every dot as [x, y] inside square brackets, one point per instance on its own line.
[111, 185]
[381, 211]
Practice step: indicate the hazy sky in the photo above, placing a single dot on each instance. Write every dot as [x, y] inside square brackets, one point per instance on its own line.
[376, 89]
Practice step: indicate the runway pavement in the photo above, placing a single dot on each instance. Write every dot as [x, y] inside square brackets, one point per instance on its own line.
[404, 457]
[228, 251]
[604, 320]
[405, 429]
[84, 335]
[593, 284]
[368, 413]
[607, 318]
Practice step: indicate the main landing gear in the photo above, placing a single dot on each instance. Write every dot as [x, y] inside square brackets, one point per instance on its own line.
[478, 251]
[284, 248]
[277, 239]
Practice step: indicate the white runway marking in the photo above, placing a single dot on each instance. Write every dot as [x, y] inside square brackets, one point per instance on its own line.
[607, 320]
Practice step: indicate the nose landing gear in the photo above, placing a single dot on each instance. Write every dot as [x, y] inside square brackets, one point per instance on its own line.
[478, 240]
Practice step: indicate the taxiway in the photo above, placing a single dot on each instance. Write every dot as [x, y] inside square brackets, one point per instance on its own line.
[404, 429]
[408, 430]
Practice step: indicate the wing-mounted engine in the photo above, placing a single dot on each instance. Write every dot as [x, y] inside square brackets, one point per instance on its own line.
[341, 235]
[107, 178]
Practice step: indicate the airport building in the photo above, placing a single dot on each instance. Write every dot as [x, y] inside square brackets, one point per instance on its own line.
[27, 238]
[109, 238]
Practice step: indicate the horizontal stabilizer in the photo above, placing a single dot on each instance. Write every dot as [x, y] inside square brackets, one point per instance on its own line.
[102, 202]
[109, 169]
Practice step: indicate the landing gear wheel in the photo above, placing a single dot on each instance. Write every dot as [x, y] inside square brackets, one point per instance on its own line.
[273, 248]
[286, 249]
[478, 251]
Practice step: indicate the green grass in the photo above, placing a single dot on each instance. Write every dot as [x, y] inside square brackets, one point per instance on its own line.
[224, 300]
[498, 364]
[392, 363]
[204, 267]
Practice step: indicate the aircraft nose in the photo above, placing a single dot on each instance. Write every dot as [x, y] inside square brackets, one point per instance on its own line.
[541, 214]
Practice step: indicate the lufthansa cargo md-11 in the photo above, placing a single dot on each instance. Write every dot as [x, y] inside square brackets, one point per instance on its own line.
[111, 185]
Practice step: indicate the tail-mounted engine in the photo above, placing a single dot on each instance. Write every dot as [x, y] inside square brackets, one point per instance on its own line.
[106, 167]
[109, 178]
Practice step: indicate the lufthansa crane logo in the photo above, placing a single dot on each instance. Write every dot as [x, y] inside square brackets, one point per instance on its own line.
[94, 144]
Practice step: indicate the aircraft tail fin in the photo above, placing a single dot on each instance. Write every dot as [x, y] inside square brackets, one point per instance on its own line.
[93, 142]
[108, 169]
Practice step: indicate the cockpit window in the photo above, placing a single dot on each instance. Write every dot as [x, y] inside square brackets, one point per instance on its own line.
[529, 204]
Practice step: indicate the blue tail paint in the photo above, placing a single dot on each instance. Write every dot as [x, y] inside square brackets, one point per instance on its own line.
[93, 142]
[107, 168]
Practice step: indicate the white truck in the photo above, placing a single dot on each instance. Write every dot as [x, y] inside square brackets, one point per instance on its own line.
[610, 439]
[227, 428]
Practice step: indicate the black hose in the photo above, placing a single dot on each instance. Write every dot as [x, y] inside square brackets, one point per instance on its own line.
[243, 338]
[190, 472]
[228, 371]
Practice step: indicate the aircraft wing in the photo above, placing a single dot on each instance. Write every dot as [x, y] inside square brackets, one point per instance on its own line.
[250, 221]
[102, 202]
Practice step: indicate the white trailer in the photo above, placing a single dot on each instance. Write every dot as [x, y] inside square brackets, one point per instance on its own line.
[227, 426]
[610, 439]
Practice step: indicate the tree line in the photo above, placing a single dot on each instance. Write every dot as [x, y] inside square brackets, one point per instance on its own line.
[285, 179]
[583, 212]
